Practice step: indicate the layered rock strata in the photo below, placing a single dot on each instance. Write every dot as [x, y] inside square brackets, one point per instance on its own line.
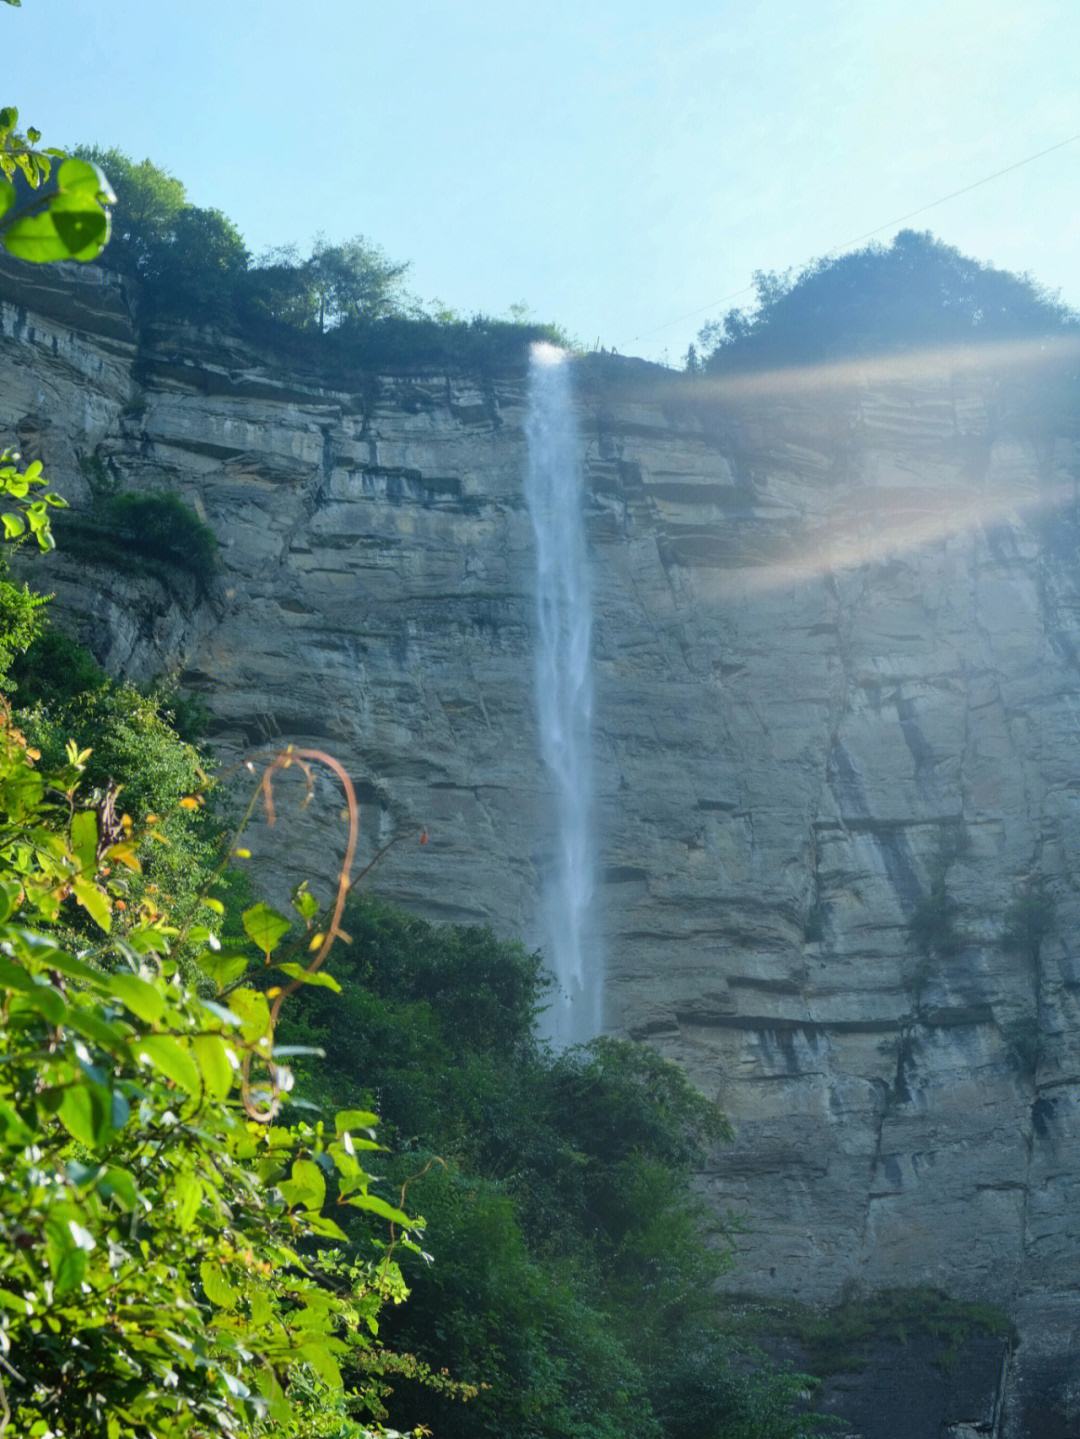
[837, 662]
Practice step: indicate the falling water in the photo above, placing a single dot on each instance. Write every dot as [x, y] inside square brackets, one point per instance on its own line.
[564, 693]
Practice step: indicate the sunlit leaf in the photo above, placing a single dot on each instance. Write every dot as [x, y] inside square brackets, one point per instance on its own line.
[94, 901]
[140, 996]
[171, 1059]
[319, 978]
[264, 926]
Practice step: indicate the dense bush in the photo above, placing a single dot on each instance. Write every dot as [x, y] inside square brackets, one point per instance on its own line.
[137, 533]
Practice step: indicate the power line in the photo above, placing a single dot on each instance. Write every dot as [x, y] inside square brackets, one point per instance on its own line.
[870, 233]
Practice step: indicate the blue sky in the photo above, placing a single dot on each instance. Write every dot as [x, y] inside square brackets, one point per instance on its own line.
[623, 168]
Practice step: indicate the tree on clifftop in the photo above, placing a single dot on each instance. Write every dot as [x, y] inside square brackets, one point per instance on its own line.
[917, 292]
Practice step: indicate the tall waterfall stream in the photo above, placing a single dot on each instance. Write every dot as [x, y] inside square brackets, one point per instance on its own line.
[564, 695]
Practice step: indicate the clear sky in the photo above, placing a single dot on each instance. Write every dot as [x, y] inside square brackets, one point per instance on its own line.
[621, 167]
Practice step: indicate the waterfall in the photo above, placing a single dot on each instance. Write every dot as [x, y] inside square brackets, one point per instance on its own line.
[564, 695]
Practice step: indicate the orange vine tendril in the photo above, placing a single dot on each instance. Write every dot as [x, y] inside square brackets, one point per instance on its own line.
[303, 759]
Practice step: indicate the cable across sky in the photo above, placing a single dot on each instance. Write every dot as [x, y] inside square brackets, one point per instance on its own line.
[869, 234]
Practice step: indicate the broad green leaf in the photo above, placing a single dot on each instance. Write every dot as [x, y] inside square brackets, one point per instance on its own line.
[264, 926]
[354, 1119]
[171, 1059]
[252, 1011]
[318, 1355]
[72, 968]
[10, 894]
[39, 995]
[306, 1189]
[7, 196]
[74, 227]
[212, 1057]
[13, 1130]
[319, 1224]
[140, 996]
[118, 1184]
[184, 1198]
[112, 1037]
[93, 901]
[85, 178]
[67, 1258]
[319, 978]
[223, 969]
[85, 1111]
[375, 1205]
[84, 839]
[218, 1289]
[14, 525]
[150, 938]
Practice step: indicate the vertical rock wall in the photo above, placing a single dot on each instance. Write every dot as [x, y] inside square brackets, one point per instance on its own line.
[837, 634]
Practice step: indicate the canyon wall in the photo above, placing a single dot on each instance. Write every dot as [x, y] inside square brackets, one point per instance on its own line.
[837, 665]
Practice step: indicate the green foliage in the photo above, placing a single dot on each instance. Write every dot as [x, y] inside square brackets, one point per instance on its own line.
[837, 1338]
[573, 1264]
[1024, 1038]
[148, 201]
[917, 292]
[709, 1391]
[49, 211]
[1029, 920]
[21, 623]
[143, 534]
[26, 516]
[166, 1260]
[933, 927]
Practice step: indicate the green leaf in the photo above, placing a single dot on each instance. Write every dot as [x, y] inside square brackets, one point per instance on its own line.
[140, 996]
[73, 968]
[304, 902]
[223, 969]
[171, 1059]
[93, 901]
[14, 525]
[40, 995]
[7, 196]
[354, 1119]
[323, 1362]
[320, 1224]
[85, 1111]
[118, 1184]
[252, 1012]
[184, 1197]
[319, 978]
[264, 926]
[74, 227]
[85, 178]
[10, 894]
[67, 1258]
[212, 1057]
[218, 1289]
[84, 839]
[375, 1205]
[13, 1130]
[306, 1189]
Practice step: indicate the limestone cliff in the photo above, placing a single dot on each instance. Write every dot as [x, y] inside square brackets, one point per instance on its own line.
[837, 656]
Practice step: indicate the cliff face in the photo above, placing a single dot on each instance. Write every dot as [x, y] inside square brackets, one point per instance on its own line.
[836, 643]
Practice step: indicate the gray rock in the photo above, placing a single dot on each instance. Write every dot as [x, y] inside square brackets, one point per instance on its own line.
[837, 643]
